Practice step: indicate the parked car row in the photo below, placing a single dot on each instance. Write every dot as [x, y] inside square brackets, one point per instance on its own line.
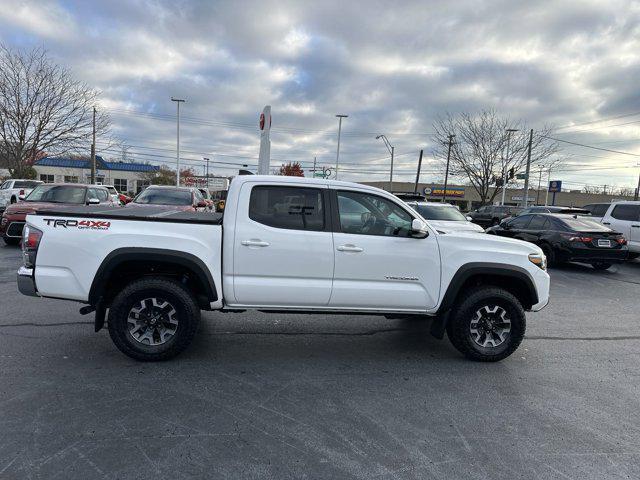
[598, 234]
[53, 195]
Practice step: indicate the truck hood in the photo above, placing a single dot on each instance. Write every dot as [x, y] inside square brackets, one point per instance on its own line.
[491, 242]
[450, 226]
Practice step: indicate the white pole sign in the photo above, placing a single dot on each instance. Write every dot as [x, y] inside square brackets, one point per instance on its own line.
[265, 141]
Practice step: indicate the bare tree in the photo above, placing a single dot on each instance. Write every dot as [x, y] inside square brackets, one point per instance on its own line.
[626, 191]
[479, 148]
[43, 109]
[592, 189]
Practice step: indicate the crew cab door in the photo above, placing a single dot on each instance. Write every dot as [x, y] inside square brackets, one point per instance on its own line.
[283, 246]
[378, 265]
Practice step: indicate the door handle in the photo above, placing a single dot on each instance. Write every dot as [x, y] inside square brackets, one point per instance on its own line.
[606, 223]
[254, 243]
[635, 226]
[350, 248]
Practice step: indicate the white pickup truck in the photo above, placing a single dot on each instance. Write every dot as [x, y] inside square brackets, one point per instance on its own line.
[12, 190]
[283, 244]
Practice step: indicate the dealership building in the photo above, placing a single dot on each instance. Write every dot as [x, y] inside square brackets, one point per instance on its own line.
[466, 197]
[124, 176]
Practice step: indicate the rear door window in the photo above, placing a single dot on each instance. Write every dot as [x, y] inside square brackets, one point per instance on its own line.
[626, 212]
[290, 208]
[600, 210]
[538, 222]
[520, 222]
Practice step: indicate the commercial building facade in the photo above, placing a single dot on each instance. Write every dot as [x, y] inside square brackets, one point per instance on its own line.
[125, 177]
[467, 198]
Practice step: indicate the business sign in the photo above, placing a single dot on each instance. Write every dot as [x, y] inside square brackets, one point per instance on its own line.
[555, 186]
[457, 192]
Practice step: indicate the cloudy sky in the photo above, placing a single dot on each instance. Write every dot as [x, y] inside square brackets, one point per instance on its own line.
[391, 66]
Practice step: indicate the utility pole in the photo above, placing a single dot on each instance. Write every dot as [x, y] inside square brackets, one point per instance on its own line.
[340, 117]
[526, 180]
[539, 183]
[546, 195]
[178, 102]
[418, 173]
[635, 196]
[446, 172]
[93, 150]
[504, 166]
[314, 166]
[391, 149]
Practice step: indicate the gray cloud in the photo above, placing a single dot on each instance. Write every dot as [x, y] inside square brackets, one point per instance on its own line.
[392, 66]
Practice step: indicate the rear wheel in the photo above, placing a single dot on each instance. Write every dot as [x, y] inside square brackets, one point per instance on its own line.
[488, 325]
[601, 265]
[153, 319]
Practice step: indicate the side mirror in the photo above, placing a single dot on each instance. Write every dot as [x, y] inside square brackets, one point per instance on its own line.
[201, 204]
[93, 201]
[21, 197]
[419, 229]
[469, 219]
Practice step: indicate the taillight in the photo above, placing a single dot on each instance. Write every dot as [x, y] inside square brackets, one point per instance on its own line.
[21, 192]
[576, 238]
[31, 237]
[621, 241]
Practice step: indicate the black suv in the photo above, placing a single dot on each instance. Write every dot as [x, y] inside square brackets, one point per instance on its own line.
[567, 238]
[492, 214]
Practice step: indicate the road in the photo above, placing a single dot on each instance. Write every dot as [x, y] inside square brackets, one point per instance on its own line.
[318, 397]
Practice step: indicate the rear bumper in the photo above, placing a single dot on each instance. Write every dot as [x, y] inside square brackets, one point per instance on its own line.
[26, 282]
[593, 255]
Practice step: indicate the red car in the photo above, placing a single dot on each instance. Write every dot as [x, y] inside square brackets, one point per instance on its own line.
[49, 196]
[173, 198]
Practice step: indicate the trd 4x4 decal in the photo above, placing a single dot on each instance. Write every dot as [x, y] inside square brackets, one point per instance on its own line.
[79, 224]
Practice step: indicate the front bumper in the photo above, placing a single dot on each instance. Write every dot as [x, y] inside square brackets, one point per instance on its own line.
[26, 282]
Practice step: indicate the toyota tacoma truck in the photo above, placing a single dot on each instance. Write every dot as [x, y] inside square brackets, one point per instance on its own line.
[283, 244]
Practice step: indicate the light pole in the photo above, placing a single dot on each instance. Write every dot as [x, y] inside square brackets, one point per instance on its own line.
[340, 117]
[178, 102]
[504, 165]
[391, 149]
[206, 159]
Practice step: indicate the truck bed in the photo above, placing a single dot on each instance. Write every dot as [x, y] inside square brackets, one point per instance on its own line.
[139, 213]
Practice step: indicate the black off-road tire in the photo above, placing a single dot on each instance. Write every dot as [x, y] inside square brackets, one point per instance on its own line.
[11, 240]
[459, 324]
[187, 314]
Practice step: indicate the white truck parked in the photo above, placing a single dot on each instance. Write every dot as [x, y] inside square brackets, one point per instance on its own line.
[11, 190]
[283, 244]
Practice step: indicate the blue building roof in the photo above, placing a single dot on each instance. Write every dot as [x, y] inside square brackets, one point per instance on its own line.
[66, 162]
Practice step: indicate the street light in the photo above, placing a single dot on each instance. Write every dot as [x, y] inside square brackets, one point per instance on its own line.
[178, 102]
[504, 164]
[340, 117]
[391, 149]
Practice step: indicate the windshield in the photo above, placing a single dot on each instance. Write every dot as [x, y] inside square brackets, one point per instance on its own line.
[164, 196]
[57, 194]
[582, 224]
[433, 212]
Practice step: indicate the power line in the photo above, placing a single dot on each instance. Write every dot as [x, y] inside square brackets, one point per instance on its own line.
[606, 119]
[591, 146]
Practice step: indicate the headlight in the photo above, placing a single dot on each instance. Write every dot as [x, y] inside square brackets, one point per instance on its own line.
[538, 259]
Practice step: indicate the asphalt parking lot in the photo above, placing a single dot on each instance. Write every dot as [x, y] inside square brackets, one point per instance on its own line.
[287, 396]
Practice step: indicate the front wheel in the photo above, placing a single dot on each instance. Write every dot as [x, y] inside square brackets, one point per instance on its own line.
[153, 319]
[488, 325]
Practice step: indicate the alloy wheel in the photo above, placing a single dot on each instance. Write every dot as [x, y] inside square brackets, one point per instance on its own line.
[490, 326]
[153, 321]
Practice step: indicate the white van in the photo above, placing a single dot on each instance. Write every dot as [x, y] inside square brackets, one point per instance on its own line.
[624, 217]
